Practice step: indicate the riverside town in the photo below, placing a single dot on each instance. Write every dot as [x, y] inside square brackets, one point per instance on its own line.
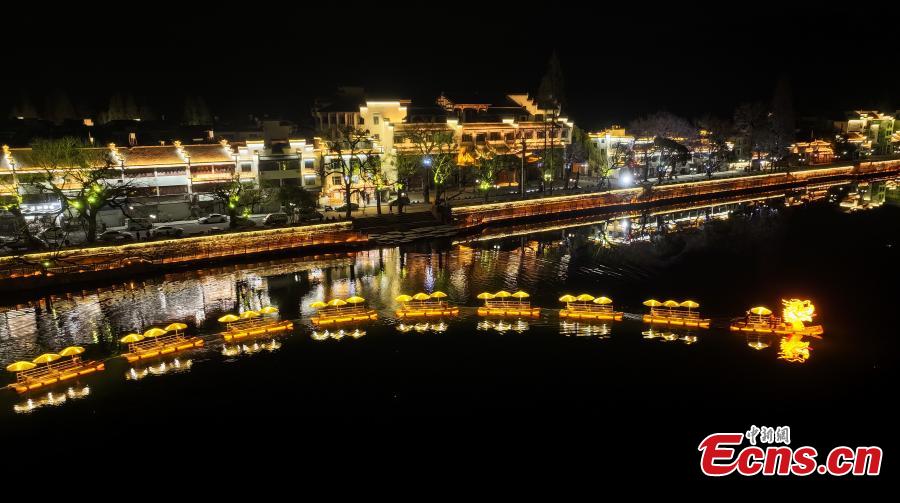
[463, 244]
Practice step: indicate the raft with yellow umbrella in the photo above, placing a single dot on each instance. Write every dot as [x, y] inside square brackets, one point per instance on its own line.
[588, 307]
[158, 342]
[503, 303]
[351, 309]
[795, 314]
[422, 305]
[251, 324]
[674, 313]
[51, 368]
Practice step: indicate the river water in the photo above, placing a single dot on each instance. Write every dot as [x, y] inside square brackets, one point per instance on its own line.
[501, 379]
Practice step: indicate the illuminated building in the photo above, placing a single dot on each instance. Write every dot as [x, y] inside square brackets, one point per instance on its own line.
[872, 131]
[812, 152]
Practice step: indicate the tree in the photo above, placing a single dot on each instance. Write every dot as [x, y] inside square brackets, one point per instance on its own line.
[714, 142]
[582, 150]
[374, 174]
[660, 125]
[436, 149]
[83, 179]
[489, 164]
[296, 199]
[238, 198]
[751, 123]
[553, 84]
[350, 149]
[407, 166]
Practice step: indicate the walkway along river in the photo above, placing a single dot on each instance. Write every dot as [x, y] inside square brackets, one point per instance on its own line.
[102, 263]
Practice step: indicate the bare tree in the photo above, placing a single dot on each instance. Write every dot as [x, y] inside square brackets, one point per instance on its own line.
[352, 155]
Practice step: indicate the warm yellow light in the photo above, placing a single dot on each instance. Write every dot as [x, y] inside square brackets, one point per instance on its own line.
[797, 311]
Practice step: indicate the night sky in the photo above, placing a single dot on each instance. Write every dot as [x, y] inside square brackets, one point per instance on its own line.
[618, 65]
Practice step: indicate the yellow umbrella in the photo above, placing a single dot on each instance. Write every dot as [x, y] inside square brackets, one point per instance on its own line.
[602, 300]
[585, 297]
[355, 300]
[652, 303]
[268, 310]
[131, 338]
[403, 298]
[246, 315]
[760, 310]
[520, 295]
[175, 326]
[438, 295]
[47, 358]
[228, 318]
[72, 351]
[336, 302]
[690, 304]
[671, 303]
[502, 294]
[20, 366]
[485, 296]
[154, 332]
[568, 298]
[421, 296]
[318, 304]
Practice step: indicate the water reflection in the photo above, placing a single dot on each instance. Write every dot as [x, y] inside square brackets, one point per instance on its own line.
[172, 366]
[337, 334]
[51, 399]
[686, 337]
[794, 349]
[422, 327]
[579, 329]
[503, 326]
[249, 348]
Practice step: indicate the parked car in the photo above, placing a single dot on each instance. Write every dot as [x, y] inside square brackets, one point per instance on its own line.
[342, 208]
[311, 216]
[214, 218]
[169, 231]
[139, 224]
[22, 244]
[276, 219]
[54, 236]
[115, 237]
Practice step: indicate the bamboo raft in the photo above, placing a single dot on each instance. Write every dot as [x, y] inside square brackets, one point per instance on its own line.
[253, 324]
[51, 368]
[588, 307]
[158, 342]
[761, 320]
[671, 313]
[496, 304]
[423, 305]
[337, 311]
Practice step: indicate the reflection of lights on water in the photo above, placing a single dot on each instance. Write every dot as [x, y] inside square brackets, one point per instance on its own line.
[502, 326]
[569, 328]
[170, 367]
[757, 342]
[687, 338]
[794, 349]
[422, 327]
[651, 334]
[231, 350]
[337, 335]
[51, 399]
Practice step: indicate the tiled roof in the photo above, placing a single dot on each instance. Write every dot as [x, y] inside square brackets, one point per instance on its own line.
[208, 153]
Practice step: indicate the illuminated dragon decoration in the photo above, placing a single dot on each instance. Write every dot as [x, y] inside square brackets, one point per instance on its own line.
[794, 349]
[797, 311]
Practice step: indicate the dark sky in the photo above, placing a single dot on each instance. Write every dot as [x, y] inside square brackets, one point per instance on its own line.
[618, 65]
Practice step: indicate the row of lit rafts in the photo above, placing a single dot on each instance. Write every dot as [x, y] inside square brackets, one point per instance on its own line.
[248, 315]
[153, 333]
[45, 359]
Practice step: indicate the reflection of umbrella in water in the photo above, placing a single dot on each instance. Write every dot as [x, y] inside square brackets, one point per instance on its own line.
[20, 366]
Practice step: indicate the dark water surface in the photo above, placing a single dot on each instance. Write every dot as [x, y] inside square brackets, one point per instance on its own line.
[535, 392]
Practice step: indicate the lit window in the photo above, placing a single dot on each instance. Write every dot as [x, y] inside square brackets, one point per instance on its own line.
[375, 120]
